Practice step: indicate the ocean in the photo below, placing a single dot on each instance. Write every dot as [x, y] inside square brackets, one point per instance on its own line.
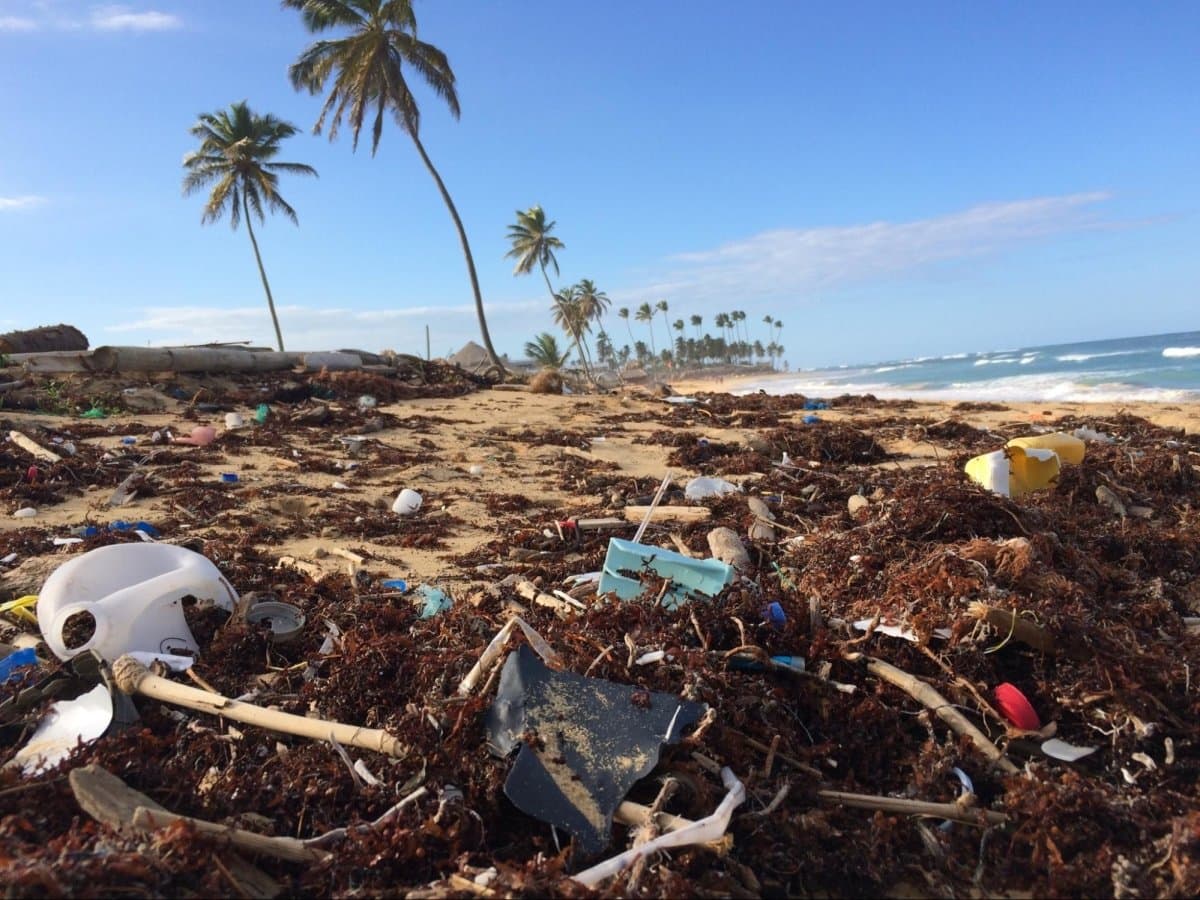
[1162, 368]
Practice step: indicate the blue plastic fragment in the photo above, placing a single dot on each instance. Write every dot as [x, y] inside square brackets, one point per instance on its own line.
[14, 661]
[689, 577]
[436, 601]
[810, 420]
[775, 614]
[395, 584]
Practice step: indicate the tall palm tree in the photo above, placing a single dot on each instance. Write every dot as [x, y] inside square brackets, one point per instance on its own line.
[533, 244]
[697, 321]
[662, 307]
[544, 351]
[646, 314]
[236, 153]
[623, 313]
[368, 66]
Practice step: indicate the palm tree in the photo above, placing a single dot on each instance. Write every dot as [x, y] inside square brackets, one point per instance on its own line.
[697, 321]
[367, 66]
[237, 147]
[544, 351]
[568, 315]
[662, 307]
[646, 314]
[595, 302]
[532, 243]
[623, 313]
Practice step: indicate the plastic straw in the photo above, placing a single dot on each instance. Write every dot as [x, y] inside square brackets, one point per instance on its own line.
[662, 489]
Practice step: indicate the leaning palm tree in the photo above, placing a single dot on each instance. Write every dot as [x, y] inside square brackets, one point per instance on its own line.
[595, 302]
[662, 307]
[237, 149]
[368, 66]
[533, 244]
[543, 350]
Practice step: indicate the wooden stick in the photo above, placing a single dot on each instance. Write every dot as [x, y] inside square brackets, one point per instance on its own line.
[941, 707]
[1008, 622]
[667, 513]
[33, 448]
[915, 807]
[291, 849]
[134, 678]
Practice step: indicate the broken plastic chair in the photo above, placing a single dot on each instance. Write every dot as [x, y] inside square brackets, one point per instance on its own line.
[584, 742]
[626, 561]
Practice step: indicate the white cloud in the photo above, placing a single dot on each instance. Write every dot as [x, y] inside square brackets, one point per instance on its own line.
[40, 14]
[791, 262]
[17, 23]
[26, 202]
[122, 18]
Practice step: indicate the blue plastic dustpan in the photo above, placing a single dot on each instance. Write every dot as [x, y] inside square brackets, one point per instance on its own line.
[689, 577]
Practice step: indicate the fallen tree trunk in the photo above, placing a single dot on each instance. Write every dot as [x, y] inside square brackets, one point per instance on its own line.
[185, 359]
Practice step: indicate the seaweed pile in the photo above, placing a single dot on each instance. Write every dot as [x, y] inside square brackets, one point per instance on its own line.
[888, 580]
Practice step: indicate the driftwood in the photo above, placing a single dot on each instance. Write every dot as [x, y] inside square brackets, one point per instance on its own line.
[134, 678]
[668, 513]
[1017, 627]
[185, 359]
[36, 450]
[954, 811]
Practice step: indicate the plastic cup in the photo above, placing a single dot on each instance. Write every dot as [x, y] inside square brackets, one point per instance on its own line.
[407, 502]
[234, 420]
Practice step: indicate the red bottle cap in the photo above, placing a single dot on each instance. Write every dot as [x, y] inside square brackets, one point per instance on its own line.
[1016, 708]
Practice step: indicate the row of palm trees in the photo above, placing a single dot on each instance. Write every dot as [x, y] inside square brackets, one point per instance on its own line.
[365, 68]
[578, 307]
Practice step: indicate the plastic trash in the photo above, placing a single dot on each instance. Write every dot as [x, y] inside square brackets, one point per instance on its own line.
[129, 440]
[1090, 434]
[596, 739]
[407, 502]
[67, 724]
[234, 420]
[25, 512]
[201, 436]
[476, 470]
[811, 420]
[94, 413]
[1014, 471]
[395, 584]
[286, 621]
[365, 402]
[1015, 707]
[229, 477]
[134, 596]
[261, 413]
[775, 614]
[689, 577]
[1057, 749]
[11, 665]
[1070, 449]
[433, 600]
[703, 487]
[815, 404]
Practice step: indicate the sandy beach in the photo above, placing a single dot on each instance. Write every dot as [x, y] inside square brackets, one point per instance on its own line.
[873, 516]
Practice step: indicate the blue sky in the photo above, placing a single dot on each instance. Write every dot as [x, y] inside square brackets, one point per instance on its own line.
[888, 179]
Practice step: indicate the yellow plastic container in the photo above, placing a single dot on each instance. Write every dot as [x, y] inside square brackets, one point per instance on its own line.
[1069, 448]
[1014, 471]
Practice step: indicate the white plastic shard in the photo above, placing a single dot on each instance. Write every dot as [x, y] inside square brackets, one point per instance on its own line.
[1067, 752]
[67, 724]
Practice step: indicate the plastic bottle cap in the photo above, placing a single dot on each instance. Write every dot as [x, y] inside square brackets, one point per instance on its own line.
[1016, 708]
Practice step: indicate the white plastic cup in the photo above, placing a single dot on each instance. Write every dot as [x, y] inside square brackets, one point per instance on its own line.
[407, 502]
[476, 470]
[234, 420]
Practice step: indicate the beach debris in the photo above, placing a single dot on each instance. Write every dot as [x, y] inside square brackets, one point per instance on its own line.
[128, 489]
[1014, 471]
[234, 421]
[631, 569]
[876, 626]
[1069, 448]
[1013, 626]
[200, 436]
[407, 502]
[32, 447]
[132, 595]
[704, 831]
[725, 545]
[761, 528]
[547, 381]
[431, 600]
[134, 678]
[855, 503]
[11, 664]
[584, 742]
[1085, 433]
[491, 653]
[68, 724]
[666, 513]
[25, 512]
[1016, 707]
[1107, 497]
[1057, 749]
[703, 487]
[285, 620]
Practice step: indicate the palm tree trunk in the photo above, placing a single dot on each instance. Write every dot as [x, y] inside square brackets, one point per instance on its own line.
[462, 237]
[262, 272]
